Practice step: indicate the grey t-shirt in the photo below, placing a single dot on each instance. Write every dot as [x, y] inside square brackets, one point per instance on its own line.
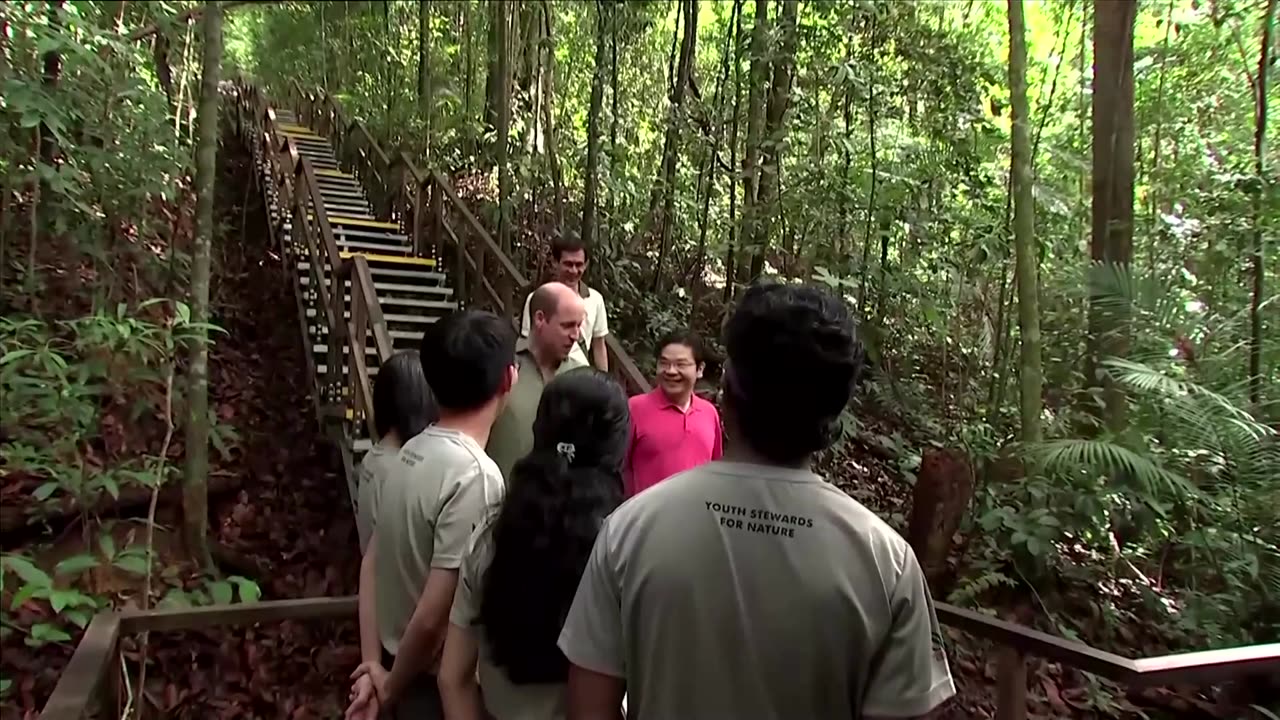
[748, 591]
[437, 491]
[373, 469]
[503, 699]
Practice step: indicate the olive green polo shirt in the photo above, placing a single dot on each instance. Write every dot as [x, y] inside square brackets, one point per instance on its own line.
[512, 435]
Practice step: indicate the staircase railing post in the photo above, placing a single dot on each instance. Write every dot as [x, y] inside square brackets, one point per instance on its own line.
[1011, 690]
[436, 231]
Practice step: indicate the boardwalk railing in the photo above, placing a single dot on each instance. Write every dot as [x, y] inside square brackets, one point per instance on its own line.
[91, 683]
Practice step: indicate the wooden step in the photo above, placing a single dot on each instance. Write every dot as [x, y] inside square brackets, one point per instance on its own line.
[383, 271]
[440, 305]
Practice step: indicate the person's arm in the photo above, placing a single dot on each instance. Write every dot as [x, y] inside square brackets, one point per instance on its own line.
[423, 637]
[370, 643]
[717, 447]
[594, 696]
[628, 463]
[600, 351]
[459, 691]
[910, 677]
[592, 639]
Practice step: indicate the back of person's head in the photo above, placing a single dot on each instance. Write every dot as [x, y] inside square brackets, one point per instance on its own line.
[794, 358]
[568, 242]
[467, 358]
[402, 400]
[557, 497]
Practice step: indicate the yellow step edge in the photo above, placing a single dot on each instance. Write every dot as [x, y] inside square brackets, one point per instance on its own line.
[292, 128]
[334, 173]
[398, 259]
[359, 222]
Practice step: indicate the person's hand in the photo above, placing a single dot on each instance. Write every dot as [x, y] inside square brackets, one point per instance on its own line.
[378, 676]
[364, 700]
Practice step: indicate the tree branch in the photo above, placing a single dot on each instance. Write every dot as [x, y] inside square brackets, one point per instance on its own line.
[188, 15]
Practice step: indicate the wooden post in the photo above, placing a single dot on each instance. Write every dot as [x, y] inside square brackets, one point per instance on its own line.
[1011, 690]
[436, 231]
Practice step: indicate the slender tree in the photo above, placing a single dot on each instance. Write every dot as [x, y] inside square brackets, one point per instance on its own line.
[424, 68]
[502, 15]
[1257, 257]
[590, 188]
[195, 496]
[1111, 245]
[1030, 375]
[769, 185]
[755, 126]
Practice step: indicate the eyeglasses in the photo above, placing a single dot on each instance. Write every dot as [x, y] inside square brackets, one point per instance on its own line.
[676, 365]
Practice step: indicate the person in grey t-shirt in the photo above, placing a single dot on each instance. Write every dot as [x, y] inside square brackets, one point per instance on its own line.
[750, 587]
[402, 407]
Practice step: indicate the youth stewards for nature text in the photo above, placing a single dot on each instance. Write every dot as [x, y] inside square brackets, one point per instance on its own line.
[502, 579]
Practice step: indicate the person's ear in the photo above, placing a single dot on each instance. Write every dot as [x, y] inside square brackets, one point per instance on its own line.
[701, 366]
[513, 374]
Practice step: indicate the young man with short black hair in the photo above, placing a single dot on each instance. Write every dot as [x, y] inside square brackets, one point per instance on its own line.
[751, 587]
[440, 487]
[570, 256]
[672, 429]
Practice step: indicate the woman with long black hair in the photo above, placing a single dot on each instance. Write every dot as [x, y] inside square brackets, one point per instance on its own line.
[520, 574]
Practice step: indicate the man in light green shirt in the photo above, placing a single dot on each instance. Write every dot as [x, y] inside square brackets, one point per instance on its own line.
[557, 313]
[750, 587]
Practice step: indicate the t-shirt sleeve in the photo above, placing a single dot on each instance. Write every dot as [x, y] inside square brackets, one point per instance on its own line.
[602, 317]
[524, 317]
[466, 598]
[592, 633]
[910, 676]
[461, 508]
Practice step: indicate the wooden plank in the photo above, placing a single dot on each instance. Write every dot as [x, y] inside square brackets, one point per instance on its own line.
[360, 222]
[1208, 666]
[1034, 642]
[485, 239]
[398, 259]
[335, 173]
[322, 608]
[80, 686]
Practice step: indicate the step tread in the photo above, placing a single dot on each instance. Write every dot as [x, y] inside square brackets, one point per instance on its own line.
[384, 287]
[400, 318]
[305, 265]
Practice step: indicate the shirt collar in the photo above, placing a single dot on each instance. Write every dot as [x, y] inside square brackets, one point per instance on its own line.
[665, 402]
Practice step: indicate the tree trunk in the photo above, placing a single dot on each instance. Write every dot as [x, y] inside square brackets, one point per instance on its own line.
[755, 125]
[1029, 373]
[195, 496]
[1111, 246]
[52, 78]
[730, 250]
[670, 151]
[491, 82]
[775, 135]
[164, 71]
[468, 79]
[590, 189]
[424, 68]
[549, 115]
[1257, 258]
[503, 103]
[874, 170]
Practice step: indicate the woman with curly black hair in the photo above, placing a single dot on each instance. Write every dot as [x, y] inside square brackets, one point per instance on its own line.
[520, 574]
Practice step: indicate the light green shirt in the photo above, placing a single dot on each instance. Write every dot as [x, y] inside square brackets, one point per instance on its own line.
[734, 590]
[440, 487]
[512, 435]
[503, 699]
[373, 470]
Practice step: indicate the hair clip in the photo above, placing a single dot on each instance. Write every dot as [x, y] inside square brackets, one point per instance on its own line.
[565, 449]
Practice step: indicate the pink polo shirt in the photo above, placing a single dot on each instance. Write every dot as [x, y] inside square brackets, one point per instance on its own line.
[666, 440]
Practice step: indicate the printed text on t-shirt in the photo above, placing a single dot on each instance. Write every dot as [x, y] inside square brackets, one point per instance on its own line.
[765, 522]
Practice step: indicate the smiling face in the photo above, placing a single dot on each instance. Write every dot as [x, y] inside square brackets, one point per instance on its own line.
[678, 371]
[570, 266]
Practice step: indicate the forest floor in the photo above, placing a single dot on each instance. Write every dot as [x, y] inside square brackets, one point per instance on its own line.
[283, 518]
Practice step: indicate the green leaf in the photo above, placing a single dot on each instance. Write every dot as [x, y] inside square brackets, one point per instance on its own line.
[45, 490]
[175, 598]
[23, 568]
[112, 486]
[76, 564]
[79, 617]
[221, 592]
[132, 564]
[42, 633]
[5, 684]
[184, 312]
[16, 355]
[248, 589]
[108, 545]
[25, 593]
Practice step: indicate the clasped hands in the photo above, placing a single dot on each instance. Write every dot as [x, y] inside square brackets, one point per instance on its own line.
[369, 692]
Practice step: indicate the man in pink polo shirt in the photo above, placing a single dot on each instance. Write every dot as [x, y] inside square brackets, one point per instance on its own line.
[672, 430]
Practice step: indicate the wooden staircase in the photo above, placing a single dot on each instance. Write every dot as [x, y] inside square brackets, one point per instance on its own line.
[411, 291]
